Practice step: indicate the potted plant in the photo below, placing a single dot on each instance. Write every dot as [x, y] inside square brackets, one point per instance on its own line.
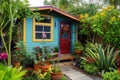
[28, 61]
[54, 51]
[42, 62]
[78, 48]
[56, 73]
[37, 51]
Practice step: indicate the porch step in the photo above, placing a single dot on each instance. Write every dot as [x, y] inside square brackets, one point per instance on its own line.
[63, 57]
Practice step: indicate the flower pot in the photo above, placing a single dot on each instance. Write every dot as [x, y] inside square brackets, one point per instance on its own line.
[56, 76]
[16, 64]
[36, 67]
[45, 68]
[78, 52]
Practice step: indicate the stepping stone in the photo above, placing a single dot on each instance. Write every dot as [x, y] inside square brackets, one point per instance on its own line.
[74, 74]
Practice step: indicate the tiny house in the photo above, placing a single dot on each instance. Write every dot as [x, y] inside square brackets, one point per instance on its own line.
[56, 29]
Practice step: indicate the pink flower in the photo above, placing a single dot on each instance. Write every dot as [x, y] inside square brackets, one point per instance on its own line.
[44, 35]
[37, 47]
[3, 55]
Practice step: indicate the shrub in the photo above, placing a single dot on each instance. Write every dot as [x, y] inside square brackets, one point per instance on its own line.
[89, 67]
[112, 75]
[104, 58]
[9, 73]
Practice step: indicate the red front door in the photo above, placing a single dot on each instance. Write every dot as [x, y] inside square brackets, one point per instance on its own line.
[65, 38]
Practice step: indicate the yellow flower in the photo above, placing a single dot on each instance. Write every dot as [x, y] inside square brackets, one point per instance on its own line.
[42, 75]
[103, 14]
[81, 16]
[86, 15]
[113, 18]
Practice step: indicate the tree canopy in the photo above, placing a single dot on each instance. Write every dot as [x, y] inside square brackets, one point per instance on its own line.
[10, 12]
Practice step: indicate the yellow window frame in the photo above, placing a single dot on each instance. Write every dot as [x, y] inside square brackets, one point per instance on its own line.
[43, 24]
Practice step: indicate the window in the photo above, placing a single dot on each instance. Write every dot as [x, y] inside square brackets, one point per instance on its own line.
[44, 26]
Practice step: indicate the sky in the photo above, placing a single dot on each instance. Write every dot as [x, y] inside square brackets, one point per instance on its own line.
[36, 3]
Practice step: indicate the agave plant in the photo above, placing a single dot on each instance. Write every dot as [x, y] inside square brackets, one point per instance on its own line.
[104, 58]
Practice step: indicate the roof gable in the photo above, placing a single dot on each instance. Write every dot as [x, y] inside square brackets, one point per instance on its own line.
[52, 8]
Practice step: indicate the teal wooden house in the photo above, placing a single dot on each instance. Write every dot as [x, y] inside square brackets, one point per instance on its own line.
[56, 29]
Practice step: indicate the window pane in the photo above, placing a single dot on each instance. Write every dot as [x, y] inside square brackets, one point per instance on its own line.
[47, 28]
[38, 28]
[48, 36]
[45, 19]
[38, 36]
[65, 32]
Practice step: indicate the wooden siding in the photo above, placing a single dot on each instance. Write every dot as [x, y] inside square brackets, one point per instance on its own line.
[57, 18]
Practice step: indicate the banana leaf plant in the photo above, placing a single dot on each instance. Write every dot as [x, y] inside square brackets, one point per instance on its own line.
[103, 58]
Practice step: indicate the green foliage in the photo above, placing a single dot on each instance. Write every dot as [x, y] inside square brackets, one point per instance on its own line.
[63, 78]
[12, 13]
[112, 75]
[55, 49]
[104, 58]
[20, 48]
[113, 2]
[31, 76]
[37, 50]
[2, 74]
[55, 68]
[91, 68]
[9, 73]
[105, 24]
[75, 7]
[27, 61]
[78, 46]
[88, 67]
[43, 76]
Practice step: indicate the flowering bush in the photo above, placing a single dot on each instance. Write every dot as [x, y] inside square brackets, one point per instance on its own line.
[104, 24]
[3, 55]
[20, 48]
[37, 50]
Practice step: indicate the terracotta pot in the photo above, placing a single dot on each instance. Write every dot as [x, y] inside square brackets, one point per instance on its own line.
[44, 68]
[16, 64]
[78, 52]
[36, 67]
[56, 76]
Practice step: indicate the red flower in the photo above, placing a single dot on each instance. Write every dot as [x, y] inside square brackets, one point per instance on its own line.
[18, 49]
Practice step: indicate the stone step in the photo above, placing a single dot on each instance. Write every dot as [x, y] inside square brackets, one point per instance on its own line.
[74, 74]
